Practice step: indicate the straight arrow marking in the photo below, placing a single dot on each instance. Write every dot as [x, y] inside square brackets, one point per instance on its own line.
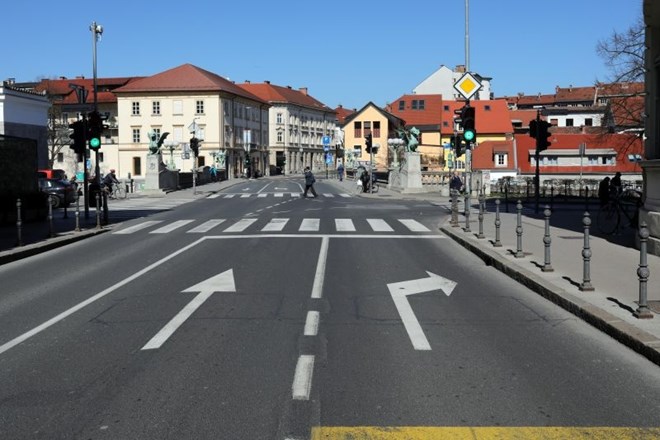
[223, 282]
[401, 290]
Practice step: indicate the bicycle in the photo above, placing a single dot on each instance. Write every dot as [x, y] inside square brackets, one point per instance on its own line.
[118, 191]
[626, 204]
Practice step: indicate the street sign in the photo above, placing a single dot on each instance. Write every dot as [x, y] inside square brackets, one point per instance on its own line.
[329, 159]
[467, 85]
[326, 140]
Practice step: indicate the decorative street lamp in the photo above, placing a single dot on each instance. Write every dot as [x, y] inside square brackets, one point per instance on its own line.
[395, 146]
[171, 145]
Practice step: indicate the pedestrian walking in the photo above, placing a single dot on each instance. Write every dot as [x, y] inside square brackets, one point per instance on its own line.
[455, 184]
[309, 182]
[340, 172]
[604, 191]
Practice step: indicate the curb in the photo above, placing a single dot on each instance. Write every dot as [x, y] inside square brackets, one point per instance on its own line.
[638, 340]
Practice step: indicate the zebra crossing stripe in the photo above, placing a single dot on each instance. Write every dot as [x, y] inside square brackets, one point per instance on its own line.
[344, 195]
[328, 195]
[279, 194]
[414, 225]
[262, 195]
[276, 224]
[344, 225]
[245, 196]
[310, 225]
[229, 196]
[379, 225]
[295, 195]
[241, 225]
[213, 196]
[206, 226]
[171, 227]
[138, 227]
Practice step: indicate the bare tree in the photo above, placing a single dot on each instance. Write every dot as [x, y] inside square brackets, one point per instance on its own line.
[623, 53]
[58, 134]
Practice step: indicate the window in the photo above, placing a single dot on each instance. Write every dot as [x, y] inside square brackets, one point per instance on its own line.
[280, 136]
[137, 166]
[157, 131]
[279, 118]
[101, 156]
[199, 107]
[445, 124]
[589, 122]
[402, 105]
[500, 159]
[367, 127]
[487, 107]
[136, 135]
[376, 128]
[135, 108]
[200, 161]
[177, 107]
[60, 157]
[445, 108]
[357, 128]
[357, 150]
[177, 136]
[569, 122]
[418, 104]
[155, 107]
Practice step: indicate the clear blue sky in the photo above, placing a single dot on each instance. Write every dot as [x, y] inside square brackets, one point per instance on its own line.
[344, 52]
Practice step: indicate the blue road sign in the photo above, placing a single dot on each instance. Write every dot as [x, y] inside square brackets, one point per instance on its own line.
[326, 140]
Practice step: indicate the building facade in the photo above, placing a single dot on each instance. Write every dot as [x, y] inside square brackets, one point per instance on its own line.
[441, 82]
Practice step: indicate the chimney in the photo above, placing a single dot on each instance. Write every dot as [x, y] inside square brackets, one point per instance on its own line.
[288, 87]
[303, 90]
[11, 81]
[247, 81]
[460, 68]
[267, 82]
[62, 77]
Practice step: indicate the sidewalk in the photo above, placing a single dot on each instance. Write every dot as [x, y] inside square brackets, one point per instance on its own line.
[613, 268]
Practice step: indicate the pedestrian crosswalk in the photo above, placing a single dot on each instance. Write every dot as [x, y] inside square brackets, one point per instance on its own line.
[278, 224]
[277, 195]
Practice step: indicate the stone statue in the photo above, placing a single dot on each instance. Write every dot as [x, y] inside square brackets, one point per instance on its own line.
[156, 143]
[410, 137]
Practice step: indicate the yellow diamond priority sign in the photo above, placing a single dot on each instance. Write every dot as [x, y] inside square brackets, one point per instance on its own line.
[467, 85]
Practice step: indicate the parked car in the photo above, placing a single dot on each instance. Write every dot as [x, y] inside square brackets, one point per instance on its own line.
[52, 174]
[62, 192]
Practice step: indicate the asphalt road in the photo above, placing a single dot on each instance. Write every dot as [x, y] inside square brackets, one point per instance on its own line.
[262, 315]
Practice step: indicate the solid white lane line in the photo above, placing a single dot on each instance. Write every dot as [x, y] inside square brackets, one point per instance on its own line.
[319, 276]
[379, 225]
[138, 227]
[181, 317]
[276, 224]
[310, 224]
[241, 225]
[344, 224]
[302, 379]
[414, 225]
[171, 227]
[312, 323]
[14, 342]
[206, 226]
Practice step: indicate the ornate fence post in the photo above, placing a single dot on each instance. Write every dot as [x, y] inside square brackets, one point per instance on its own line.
[51, 230]
[482, 202]
[19, 224]
[519, 230]
[498, 223]
[467, 212]
[547, 267]
[586, 256]
[643, 311]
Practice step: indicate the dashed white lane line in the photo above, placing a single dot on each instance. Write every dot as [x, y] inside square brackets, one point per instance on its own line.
[302, 379]
[312, 323]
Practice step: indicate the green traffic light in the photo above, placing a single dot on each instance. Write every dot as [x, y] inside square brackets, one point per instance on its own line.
[468, 135]
[94, 143]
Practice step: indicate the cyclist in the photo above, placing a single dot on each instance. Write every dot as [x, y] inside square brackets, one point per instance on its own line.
[109, 180]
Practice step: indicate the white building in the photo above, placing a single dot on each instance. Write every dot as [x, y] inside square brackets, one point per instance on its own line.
[441, 82]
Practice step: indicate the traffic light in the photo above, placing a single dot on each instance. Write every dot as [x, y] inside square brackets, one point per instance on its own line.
[542, 135]
[457, 145]
[78, 139]
[367, 142]
[194, 146]
[468, 123]
[94, 130]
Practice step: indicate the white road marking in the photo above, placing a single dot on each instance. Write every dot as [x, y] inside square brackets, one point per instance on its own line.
[319, 276]
[345, 195]
[245, 196]
[312, 323]
[414, 225]
[171, 227]
[379, 225]
[276, 224]
[214, 196]
[302, 379]
[279, 194]
[138, 227]
[229, 196]
[295, 195]
[310, 224]
[344, 224]
[241, 225]
[206, 226]
[262, 195]
[328, 195]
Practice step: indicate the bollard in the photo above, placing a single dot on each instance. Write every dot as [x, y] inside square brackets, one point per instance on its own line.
[19, 224]
[454, 209]
[481, 216]
[586, 256]
[519, 230]
[547, 267]
[98, 210]
[643, 311]
[498, 223]
[78, 214]
[467, 212]
[51, 230]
